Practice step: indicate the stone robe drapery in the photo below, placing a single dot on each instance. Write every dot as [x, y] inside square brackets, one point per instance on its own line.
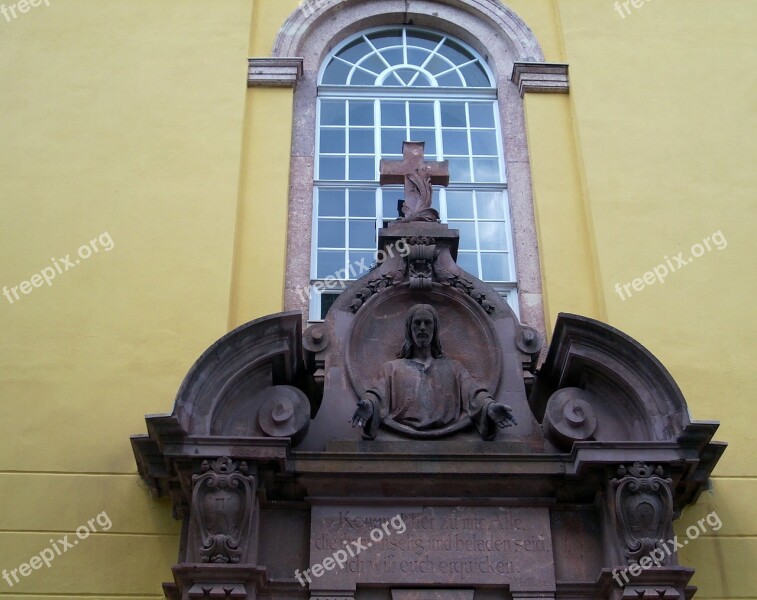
[436, 398]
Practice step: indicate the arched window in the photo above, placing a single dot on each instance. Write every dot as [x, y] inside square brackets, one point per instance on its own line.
[375, 90]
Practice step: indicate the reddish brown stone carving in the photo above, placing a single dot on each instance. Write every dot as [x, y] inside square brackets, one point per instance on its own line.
[222, 508]
[644, 509]
[438, 545]
[418, 175]
[423, 394]
[263, 466]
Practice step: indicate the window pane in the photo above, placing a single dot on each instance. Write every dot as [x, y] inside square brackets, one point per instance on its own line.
[382, 39]
[453, 114]
[362, 203]
[494, 267]
[332, 112]
[361, 141]
[475, 76]
[423, 39]
[455, 142]
[373, 63]
[330, 203]
[492, 236]
[481, 114]
[460, 205]
[456, 53]
[406, 75]
[467, 233]
[360, 263]
[363, 234]
[486, 169]
[393, 113]
[331, 167]
[360, 77]
[429, 137]
[484, 142]
[362, 169]
[327, 299]
[459, 169]
[329, 262]
[389, 203]
[391, 141]
[422, 114]
[468, 262]
[336, 73]
[417, 56]
[361, 113]
[452, 79]
[490, 205]
[331, 233]
[332, 141]
[437, 65]
[421, 80]
[354, 51]
[393, 56]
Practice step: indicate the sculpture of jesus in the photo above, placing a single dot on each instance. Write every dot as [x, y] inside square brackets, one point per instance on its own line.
[425, 394]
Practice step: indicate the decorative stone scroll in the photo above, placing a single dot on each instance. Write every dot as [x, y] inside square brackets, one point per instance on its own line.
[222, 505]
[644, 508]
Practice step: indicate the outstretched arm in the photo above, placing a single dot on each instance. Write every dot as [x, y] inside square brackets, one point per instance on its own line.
[363, 413]
[366, 416]
[501, 415]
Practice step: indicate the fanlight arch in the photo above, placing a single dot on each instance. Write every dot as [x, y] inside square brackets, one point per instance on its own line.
[405, 57]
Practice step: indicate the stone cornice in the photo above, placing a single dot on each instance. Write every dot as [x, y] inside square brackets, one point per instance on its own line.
[274, 72]
[550, 78]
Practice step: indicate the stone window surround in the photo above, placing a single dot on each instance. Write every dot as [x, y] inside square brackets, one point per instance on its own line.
[491, 28]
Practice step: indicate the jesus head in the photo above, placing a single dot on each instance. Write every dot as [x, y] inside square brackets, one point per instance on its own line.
[421, 331]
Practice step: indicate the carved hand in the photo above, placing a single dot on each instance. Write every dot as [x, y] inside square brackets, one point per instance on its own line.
[501, 414]
[363, 413]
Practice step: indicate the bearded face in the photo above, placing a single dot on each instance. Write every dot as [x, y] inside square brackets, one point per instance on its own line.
[422, 328]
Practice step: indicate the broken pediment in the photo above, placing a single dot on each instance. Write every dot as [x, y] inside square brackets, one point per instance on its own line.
[600, 457]
[416, 411]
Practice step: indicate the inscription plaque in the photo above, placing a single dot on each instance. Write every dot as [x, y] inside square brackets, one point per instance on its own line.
[431, 545]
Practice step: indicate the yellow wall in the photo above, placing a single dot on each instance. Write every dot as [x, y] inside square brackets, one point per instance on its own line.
[662, 126]
[132, 118]
[123, 117]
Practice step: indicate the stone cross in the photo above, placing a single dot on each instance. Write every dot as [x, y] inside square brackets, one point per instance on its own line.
[417, 174]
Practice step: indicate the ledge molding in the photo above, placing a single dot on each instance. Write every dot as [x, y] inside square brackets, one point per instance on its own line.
[544, 78]
[274, 72]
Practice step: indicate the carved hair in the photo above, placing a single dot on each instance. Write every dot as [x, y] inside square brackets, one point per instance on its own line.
[407, 347]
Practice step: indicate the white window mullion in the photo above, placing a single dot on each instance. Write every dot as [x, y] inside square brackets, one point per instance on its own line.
[438, 129]
[480, 274]
[470, 142]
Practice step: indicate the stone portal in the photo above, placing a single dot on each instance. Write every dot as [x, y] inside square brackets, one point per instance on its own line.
[405, 453]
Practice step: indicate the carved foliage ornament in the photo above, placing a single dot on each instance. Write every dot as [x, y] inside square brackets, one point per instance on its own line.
[422, 269]
[222, 505]
[644, 508]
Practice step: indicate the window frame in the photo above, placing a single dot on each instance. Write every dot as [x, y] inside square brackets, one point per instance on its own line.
[495, 31]
[377, 94]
